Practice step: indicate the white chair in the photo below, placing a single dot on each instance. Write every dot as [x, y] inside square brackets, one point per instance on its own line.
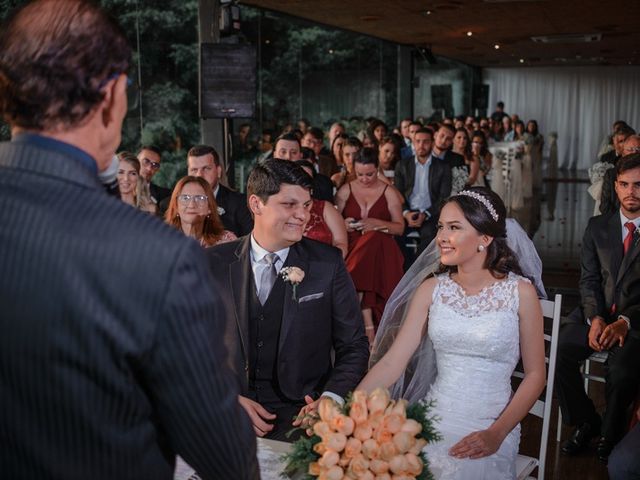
[542, 408]
[598, 357]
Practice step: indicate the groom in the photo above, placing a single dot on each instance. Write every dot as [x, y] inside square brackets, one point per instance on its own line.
[281, 333]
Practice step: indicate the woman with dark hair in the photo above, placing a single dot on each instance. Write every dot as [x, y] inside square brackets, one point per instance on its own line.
[325, 223]
[534, 143]
[372, 212]
[518, 129]
[462, 146]
[193, 210]
[481, 154]
[388, 155]
[350, 149]
[130, 183]
[336, 148]
[377, 131]
[461, 332]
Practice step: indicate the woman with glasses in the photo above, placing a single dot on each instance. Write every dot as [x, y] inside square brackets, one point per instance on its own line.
[193, 210]
[131, 185]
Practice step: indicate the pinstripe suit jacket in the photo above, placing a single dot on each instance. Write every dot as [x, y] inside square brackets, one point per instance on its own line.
[110, 358]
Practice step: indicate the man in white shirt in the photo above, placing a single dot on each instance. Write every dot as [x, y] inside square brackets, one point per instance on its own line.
[293, 303]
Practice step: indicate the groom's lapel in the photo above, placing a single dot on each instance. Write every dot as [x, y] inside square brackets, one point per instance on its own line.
[296, 258]
[240, 280]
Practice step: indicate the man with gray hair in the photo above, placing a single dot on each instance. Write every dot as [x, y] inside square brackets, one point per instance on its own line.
[111, 358]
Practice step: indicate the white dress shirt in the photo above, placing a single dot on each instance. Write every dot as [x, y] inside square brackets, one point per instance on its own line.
[623, 220]
[420, 198]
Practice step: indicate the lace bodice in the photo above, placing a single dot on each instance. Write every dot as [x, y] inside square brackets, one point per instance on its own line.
[477, 345]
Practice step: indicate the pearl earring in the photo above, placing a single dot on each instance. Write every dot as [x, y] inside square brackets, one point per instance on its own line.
[481, 248]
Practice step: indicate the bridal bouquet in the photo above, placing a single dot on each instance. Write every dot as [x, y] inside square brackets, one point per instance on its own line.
[370, 437]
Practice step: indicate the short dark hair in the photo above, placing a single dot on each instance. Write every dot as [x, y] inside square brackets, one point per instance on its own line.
[55, 59]
[449, 127]
[316, 133]
[414, 122]
[367, 156]
[267, 178]
[628, 162]
[153, 148]
[307, 164]
[500, 104]
[426, 130]
[287, 137]
[353, 142]
[625, 130]
[201, 150]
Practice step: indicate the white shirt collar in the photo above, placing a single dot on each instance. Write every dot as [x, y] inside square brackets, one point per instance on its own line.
[215, 190]
[415, 159]
[258, 253]
[623, 220]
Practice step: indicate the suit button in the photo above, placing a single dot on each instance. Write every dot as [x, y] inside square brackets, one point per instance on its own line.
[260, 344]
[261, 317]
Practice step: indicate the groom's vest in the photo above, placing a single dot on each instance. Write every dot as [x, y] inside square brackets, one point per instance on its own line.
[264, 335]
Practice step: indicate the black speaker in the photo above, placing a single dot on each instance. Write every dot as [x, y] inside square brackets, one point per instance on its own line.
[227, 80]
[480, 97]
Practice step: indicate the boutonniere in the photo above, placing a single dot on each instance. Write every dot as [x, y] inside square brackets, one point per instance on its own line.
[294, 276]
[221, 211]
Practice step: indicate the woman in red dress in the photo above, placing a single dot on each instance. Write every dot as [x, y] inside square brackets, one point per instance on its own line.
[372, 212]
[325, 223]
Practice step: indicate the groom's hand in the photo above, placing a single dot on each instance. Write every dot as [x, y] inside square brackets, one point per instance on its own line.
[258, 414]
[307, 413]
[477, 445]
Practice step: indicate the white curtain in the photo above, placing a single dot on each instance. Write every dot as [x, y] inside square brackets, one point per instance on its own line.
[579, 103]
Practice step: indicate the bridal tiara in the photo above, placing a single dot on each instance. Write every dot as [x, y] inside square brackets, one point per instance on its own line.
[484, 200]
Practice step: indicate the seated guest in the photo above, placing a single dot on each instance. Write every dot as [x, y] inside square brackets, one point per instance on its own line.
[336, 152]
[481, 154]
[130, 184]
[608, 198]
[377, 131]
[293, 334]
[336, 129]
[372, 211]
[467, 174]
[409, 150]
[203, 161]
[350, 149]
[442, 143]
[424, 181]
[325, 224]
[608, 319]
[150, 159]
[193, 210]
[387, 158]
[324, 164]
[624, 461]
[507, 128]
[288, 147]
[519, 130]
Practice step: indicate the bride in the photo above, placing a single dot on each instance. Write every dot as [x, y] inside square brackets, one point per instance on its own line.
[480, 316]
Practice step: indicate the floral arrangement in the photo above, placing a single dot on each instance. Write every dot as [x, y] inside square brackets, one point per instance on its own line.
[459, 178]
[293, 275]
[371, 437]
[597, 171]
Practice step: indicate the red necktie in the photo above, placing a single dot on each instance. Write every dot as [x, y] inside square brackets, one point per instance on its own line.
[626, 244]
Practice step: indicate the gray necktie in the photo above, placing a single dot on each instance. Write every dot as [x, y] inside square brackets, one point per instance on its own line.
[268, 277]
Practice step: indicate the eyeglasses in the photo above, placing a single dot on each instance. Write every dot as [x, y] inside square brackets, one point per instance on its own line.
[149, 163]
[185, 199]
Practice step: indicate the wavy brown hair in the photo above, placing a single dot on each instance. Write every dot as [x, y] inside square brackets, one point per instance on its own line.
[212, 228]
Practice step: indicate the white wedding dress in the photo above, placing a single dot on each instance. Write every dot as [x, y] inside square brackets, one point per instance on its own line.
[476, 343]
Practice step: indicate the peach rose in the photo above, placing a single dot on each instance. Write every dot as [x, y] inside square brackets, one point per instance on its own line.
[327, 409]
[378, 400]
[366, 476]
[400, 408]
[343, 424]
[358, 409]
[321, 429]
[403, 441]
[314, 469]
[329, 459]
[363, 431]
[336, 441]
[382, 476]
[414, 464]
[412, 427]
[375, 419]
[378, 466]
[334, 473]
[320, 448]
[388, 451]
[371, 448]
[344, 461]
[398, 465]
[393, 422]
[352, 448]
[418, 446]
[383, 435]
[359, 465]
[294, 275]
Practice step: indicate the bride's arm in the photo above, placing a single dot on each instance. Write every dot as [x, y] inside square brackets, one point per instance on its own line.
[393, 363]
[481, 444]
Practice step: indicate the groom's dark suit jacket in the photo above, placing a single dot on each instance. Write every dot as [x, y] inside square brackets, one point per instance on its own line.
[325, 315]
[608, 277]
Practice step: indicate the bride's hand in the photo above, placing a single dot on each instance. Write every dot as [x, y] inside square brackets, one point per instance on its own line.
[477, 445]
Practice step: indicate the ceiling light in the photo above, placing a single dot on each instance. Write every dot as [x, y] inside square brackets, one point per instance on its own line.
[469, 33]
[496, 46]
[331, 51]
[267, 42]
[522, 60]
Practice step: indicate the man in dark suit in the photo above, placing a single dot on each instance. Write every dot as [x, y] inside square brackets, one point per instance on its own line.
[324, 164]
[150, 160]
[442, 142]
[607, 320]
[110, 358]
[625, 142]
[282, 332]
[204, 161]
[424, 181]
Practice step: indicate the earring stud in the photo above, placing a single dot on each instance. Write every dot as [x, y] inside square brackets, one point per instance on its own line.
[481, 248]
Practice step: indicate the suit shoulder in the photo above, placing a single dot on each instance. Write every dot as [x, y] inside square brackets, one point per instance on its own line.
[319, 251]
[224, 250]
